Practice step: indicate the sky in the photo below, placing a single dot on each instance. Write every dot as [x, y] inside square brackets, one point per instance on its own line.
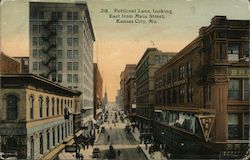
[119, 44]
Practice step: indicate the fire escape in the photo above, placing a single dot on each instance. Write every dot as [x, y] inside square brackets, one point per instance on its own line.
[49, 49]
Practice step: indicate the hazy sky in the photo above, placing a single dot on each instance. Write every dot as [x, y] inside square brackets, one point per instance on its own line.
[120, 44]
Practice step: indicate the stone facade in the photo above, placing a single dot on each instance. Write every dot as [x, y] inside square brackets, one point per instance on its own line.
[97, 90]
[36, 115]
[208, 77]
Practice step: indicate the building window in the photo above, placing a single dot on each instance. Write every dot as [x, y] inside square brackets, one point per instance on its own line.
[59, 54]
[69, 41]
[75, 15]
[35, 28]
[41, 142]
[75, 41]
[157, 59]
[246, 122]
[57, 106]
[41, 15]
[35, 53]
[11, 102]
[233, 126]
[181, 94]
[169, 96]
[189, 68]
[59, 78]
[233, 51]
[75, 29]
[40, 104]
[62, 132]
[69, 16]
[41, 53]
[31, 107]
[61, 106]
[181, 72]
[48, 140]
[75, 54]
[75, 78]
[47, 106]
[69, 78]
[69, 30]
[59, 29]
[58, 134]
[59, 41]
[40, 41]
[69, 66]
[75, 66]
[53, 76]
[53, 106]
[246, 89]
[190, 93]
[53, 136]
[35, 41]
[59, 66]
[234, 91]
[69, 54]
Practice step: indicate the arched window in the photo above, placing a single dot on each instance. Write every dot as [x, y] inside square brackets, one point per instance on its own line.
[57, 106]
[11, 107]
[53, 106]
[40, 104]
[61, 106]
[31, 99]
[47, 106]
[48, 140]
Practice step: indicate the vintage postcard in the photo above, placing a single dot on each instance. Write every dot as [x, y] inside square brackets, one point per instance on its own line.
[124, 79]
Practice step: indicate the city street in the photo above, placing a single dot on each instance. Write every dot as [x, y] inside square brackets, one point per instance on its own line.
[119, 139]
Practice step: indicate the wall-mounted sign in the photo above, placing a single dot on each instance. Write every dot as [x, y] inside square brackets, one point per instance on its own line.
[239, 72]
[206, 122]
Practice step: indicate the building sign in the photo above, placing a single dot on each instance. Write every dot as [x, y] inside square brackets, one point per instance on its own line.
[238, 72]
[133, 105]
[72, 148]
[177, 83]
[206, 122]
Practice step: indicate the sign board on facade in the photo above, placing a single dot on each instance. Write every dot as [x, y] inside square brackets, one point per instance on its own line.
[238, 72]
[72, 148]
[133, 105]
[206, 122]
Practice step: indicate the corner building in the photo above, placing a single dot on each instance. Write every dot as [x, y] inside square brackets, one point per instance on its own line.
[35, 116]
[61, 47]
[202, 94]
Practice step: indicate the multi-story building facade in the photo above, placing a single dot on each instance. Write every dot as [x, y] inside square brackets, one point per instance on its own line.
[35, 116]
[122, 90]
[9, 65]
[151, 60]
[24, 62]
[97, 91]
[131, 98]
[117, 98]
[202, 94]
[61, 47]
[129, 88]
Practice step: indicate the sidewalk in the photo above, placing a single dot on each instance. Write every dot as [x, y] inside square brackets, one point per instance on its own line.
[154, 156]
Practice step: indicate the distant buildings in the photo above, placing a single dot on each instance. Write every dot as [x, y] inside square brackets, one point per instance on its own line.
[105, 100]
[202, 94]
[24, 61]
[61, 47]
[35, 116]
[98, 82]
[128, 88]
[9, 65]
[122, 90]
[117, 98]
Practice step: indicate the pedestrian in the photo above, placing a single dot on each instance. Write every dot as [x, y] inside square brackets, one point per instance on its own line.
[118, 152]
[108, 137]
[146, 145]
